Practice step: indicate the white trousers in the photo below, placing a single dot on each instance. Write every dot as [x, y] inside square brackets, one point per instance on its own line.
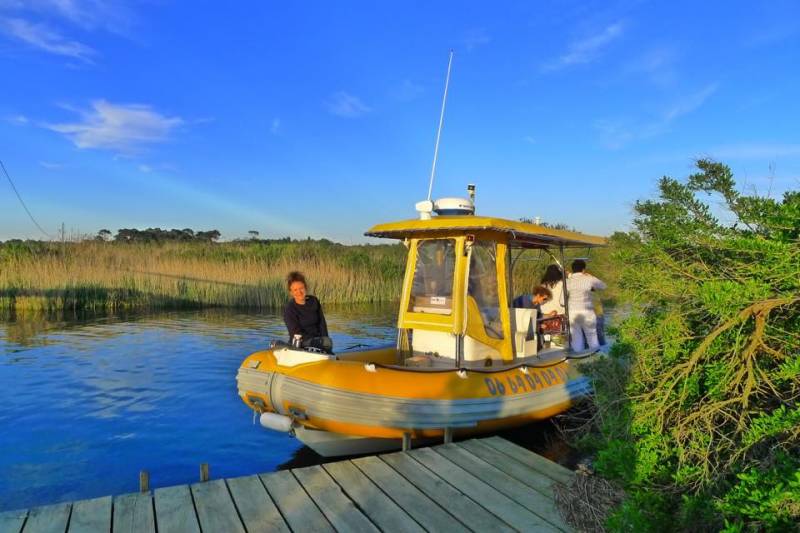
[583, 326]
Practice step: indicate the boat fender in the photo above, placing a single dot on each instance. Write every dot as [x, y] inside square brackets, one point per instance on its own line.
[370, 367]
[276, 422]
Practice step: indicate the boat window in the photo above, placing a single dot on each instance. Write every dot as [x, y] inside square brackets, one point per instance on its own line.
[483, 286]
[432, 289]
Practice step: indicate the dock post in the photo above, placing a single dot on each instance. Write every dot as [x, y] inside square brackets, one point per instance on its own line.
[203, 471]
[448, 435]
[144, 481]
[406, 441]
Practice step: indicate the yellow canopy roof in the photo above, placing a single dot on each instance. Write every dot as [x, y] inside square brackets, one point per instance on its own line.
[520, 233]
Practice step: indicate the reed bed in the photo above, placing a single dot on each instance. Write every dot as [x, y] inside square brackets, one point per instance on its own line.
[101, 276]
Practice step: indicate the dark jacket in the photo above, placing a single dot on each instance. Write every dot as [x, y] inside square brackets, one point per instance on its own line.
[306, 320]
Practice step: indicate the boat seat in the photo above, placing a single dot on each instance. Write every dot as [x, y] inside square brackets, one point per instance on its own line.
[439, 343]
[525, 341]
[478, 345]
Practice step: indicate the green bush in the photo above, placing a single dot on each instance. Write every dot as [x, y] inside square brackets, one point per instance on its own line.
[704, 430]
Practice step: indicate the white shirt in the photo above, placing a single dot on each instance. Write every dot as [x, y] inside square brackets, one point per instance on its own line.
[579, 287]
[556, 303]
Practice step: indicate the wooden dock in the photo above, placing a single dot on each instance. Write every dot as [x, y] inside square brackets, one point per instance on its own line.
[476, 485]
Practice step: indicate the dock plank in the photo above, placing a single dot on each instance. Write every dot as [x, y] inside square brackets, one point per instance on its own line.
[381, 510]
[524, 495]
[134, 513]
[256, 508]
[554, 471]
[51, 518]
[338, 508]
[413, 501]
[215, 509]
[478, 485]
[500, 505]
[175, 510]
[12, 521]
[519, 471]
[299, 511]
[455, 502]
[91, 516]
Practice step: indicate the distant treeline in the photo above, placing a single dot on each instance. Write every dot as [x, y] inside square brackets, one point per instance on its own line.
[158, 234]
[168, 235]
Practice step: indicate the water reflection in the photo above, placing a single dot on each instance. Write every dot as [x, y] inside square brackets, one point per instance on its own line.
[88, 402]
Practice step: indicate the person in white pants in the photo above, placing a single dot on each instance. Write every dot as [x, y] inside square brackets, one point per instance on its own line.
[582, 319]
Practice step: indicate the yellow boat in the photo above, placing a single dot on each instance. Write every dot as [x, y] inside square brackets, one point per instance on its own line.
[465, 361]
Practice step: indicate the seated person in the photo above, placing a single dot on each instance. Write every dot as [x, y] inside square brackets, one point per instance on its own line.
[541, 294]
[303, 316]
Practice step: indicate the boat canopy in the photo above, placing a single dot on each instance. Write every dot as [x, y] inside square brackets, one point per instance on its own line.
[519, 234]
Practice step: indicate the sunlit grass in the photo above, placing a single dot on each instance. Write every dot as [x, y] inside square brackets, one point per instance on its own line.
[97, 276]
[108, 277]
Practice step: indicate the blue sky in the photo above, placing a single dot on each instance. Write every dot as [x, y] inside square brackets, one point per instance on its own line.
[319, 118]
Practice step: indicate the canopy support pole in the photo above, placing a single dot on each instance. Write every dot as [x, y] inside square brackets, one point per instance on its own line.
[564, 291]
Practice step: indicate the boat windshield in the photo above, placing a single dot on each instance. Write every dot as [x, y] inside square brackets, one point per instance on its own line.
[432, 288]
[483, 286]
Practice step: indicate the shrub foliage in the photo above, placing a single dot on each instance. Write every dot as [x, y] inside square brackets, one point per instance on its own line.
[705, 432]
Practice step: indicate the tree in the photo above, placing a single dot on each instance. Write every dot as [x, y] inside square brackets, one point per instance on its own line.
[253, 234]
[103, 235]
[707, 428]
[208, 236]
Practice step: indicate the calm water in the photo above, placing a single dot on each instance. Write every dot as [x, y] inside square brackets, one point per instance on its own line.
[86, 404]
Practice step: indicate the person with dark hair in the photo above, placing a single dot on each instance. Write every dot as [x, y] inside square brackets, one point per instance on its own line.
[541, 295]
[304, 317]
[582, 318]
[553, 279]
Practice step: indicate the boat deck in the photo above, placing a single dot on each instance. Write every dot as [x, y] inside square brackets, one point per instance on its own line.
[485, 484]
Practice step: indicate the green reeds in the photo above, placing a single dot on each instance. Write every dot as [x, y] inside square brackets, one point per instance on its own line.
[101, 276]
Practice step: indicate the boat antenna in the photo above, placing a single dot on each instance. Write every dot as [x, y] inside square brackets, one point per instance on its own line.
[441, 121]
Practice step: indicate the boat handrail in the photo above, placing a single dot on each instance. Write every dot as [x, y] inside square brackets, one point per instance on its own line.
[523, 366]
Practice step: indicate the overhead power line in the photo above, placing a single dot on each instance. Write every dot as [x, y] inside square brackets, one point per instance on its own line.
[21, 201]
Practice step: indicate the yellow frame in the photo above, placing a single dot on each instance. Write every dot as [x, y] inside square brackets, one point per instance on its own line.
[452, 323]
[461, 320]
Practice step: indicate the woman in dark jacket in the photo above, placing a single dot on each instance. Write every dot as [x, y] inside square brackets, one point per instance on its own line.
[303, 316]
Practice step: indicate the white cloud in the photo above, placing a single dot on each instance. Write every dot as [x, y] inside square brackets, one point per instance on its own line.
[475, 38]
[147, 169]
[120, 127]
[346, 105]
[656, 64]
[19, 120]
[615, 134]
[528, 139]
[689, 103]
[51, 166]
[113, 16]
[588, 49]
[41, 37]
[275, 127]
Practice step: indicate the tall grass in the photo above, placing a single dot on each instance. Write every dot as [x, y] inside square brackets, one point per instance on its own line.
[99, 277]
[103, 276]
